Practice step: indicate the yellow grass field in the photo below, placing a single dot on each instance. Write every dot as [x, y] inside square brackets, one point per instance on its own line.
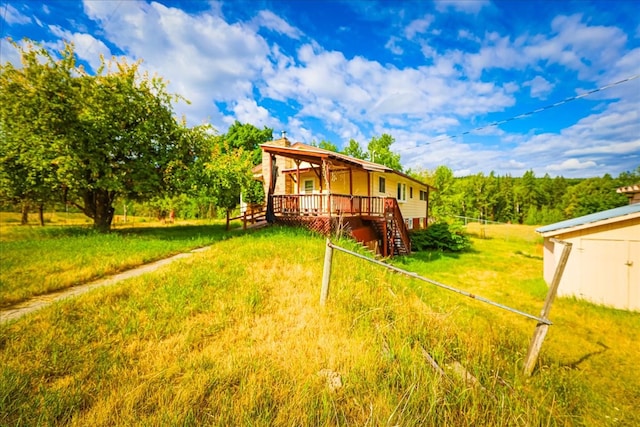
[236, 336]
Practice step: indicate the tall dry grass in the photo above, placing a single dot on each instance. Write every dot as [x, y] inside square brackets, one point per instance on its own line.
[236, 336]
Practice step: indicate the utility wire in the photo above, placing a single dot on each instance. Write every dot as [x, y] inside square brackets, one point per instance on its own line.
[111, 15]
[546, 107]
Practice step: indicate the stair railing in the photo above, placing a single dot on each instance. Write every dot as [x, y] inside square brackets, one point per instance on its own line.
[393, 210]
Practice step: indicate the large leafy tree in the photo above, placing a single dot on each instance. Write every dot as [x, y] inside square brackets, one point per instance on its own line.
[37, 110]
[592, 195]
[248, 137]
[228, 173]
[445, 199]
[354, 150]
[328, 145]
[98, 137]
[379, 150]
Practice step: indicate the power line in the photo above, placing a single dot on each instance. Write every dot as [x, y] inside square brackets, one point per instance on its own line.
[546, 107]
[106, 21]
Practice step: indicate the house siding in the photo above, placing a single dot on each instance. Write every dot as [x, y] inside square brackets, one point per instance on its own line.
[412, 207]
[340, 182]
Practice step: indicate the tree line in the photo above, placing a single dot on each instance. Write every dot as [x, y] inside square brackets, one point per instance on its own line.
[526, 200]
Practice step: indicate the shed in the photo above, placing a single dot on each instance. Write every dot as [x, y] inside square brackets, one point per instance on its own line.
[604, 264]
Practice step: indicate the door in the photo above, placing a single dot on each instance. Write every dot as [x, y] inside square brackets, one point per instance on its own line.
[610, 272]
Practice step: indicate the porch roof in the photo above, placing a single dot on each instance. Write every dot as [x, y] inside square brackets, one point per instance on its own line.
[315, 156]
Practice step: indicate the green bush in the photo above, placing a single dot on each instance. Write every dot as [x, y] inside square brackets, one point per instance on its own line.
[440, 236]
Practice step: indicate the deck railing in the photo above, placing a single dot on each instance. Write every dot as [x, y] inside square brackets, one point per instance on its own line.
[325, 204]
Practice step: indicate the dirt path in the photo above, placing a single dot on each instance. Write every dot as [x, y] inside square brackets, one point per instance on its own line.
[36, 303]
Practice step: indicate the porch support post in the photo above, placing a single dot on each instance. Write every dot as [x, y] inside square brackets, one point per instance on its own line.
[298, 175]
[369, 201]
[351, 187]
[385, 240]
[321, 177]
[271, 217]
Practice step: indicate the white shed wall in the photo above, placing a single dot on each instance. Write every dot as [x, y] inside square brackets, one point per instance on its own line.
[604, 265]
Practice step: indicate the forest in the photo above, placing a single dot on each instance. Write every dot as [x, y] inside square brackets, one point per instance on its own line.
[528, 199]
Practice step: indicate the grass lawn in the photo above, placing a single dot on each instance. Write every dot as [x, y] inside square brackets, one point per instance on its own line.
[38, 260]
[235, 336]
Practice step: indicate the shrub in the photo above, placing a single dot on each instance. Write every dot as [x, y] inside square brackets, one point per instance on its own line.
[441, 236]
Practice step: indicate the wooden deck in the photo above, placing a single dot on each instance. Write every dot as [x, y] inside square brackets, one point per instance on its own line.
[376, 220]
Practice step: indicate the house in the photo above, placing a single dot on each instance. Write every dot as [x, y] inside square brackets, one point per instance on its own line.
[604, 264]
[632, 192]
[326, 191]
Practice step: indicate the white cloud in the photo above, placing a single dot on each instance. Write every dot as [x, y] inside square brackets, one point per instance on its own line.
[609, 147]
[465, 6]
[468, 35]
[273, 22]
[246, 110]
[8, 54]
[299, 132]
[461, 172]
[540, 87]
[418, 26]
[588, 50]
[514, 164]
[87, 47]
[11, 15]
[571, 165]
[205, 58]
[392, 45]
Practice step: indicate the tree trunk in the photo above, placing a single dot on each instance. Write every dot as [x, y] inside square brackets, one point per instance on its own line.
[41, 213]
[228, 215]
[24, 219]
[98, 206]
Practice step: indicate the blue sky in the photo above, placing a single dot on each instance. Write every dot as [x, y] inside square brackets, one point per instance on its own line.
[433, 74]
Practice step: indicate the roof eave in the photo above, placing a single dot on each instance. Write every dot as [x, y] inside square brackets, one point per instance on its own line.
[567, 230]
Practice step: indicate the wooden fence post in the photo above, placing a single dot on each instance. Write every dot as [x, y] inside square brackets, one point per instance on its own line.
[326, 273]
[541, 329]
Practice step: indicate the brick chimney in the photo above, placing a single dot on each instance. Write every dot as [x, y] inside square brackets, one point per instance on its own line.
[281, 162]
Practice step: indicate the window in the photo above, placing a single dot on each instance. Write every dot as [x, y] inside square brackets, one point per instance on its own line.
[423, 195]
[308, 186]
[402, 192]
[411, 192]
[382, 185]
